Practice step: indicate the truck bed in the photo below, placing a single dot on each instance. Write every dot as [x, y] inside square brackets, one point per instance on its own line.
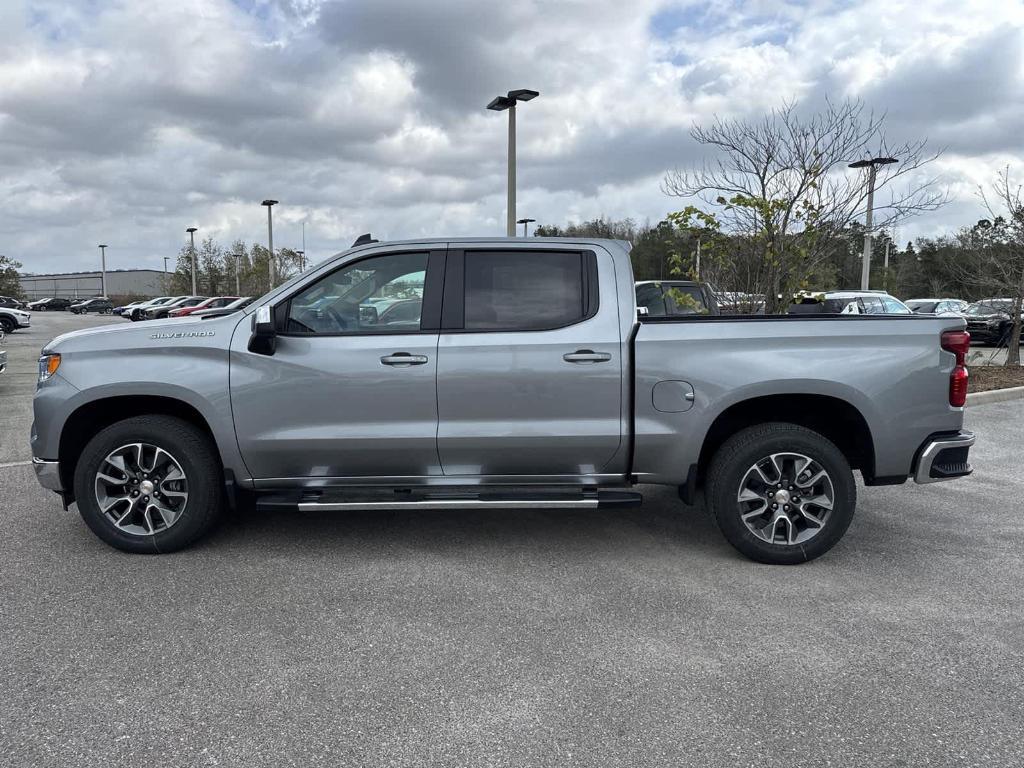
[890, 369]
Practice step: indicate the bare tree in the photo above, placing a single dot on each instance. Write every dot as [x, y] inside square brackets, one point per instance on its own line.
[993, 252]
[782, 184]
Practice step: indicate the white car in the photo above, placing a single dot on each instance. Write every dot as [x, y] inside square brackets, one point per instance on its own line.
[848, 303]
[13, 319]
[937, 306]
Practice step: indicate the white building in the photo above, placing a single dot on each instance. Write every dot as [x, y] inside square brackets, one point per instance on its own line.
[82, 285]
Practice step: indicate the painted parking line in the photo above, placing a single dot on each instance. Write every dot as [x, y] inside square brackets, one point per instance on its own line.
[10, 464]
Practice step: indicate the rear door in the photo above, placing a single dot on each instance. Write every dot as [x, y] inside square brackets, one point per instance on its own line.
[529, 363]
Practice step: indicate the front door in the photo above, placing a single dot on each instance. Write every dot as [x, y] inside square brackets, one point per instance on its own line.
[529, 364]
[349, 390]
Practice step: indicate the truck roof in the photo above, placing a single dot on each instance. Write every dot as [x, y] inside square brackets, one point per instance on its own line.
[519, 240]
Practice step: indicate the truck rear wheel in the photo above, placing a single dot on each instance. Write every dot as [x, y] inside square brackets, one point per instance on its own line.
[149, 484]
[781, 494]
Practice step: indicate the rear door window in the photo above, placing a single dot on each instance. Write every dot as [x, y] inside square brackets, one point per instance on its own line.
[523, 290]
[651, 298]
[872, 305]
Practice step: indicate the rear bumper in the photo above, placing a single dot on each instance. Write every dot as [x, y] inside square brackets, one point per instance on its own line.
[944, 457]
[48, 474]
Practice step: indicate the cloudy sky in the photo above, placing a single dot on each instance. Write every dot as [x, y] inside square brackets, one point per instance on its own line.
[126, 122]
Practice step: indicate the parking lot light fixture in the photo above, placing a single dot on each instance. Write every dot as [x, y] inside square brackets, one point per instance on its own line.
[302, 260]
[192, 253]
[525, 222]
[270, 237]
[501, 104]
[872, 165]
[103, 269]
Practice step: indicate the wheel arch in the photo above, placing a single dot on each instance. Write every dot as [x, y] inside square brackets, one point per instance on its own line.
[836, 419]
[89, 418]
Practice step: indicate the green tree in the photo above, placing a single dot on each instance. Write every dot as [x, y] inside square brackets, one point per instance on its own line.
[10, 284]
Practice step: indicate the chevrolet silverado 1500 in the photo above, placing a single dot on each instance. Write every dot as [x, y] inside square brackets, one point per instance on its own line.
[517, 375]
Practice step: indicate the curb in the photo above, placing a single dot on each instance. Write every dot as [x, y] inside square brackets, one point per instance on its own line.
[995, 396]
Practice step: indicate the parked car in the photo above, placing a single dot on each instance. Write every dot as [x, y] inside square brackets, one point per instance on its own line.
[937, 306]
[533, 384]
[162, 310]
[990, 321]
[100, 305]
[740, 303]
[54, 304]
[675, 297]
[128, 307]
[215, 302]
[847, 303]
[11, 303]
[234, 306]
[13, 319]
[3, 352]
[136, 312]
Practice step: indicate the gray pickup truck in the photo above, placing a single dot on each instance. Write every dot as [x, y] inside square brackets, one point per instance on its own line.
[510, 373]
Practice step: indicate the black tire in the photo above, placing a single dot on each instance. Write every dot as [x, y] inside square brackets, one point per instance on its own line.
[7, 324]
[737, 456]
[198, 459]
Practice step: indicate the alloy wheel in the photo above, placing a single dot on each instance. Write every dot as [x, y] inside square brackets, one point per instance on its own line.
[786, 498]
[141, 489]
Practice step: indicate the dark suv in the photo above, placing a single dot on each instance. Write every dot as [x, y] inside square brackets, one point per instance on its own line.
[989, 321]
[54, 304]
[663, 298]
[100, 305]
[10, 302]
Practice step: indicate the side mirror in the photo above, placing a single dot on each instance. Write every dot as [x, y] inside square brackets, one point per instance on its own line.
[368, 314]
[264, 336]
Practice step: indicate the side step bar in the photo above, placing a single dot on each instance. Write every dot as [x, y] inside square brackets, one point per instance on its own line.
[311, 502]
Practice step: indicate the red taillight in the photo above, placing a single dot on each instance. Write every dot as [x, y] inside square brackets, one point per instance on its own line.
[959, 343]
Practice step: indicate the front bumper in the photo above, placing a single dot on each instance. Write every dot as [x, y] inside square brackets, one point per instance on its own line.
[3, 360]
[48, 474]
[984, 333]
[944, 457]
[24, 322]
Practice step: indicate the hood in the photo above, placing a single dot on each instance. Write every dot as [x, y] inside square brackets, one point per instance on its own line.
[132, 335]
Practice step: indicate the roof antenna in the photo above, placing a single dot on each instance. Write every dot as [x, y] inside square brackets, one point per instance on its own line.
[364, 240]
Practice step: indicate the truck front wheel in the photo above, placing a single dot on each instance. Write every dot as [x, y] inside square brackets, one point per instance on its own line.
[781, 493]
[149, 484]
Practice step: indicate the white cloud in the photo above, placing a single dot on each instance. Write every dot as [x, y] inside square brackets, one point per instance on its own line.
[126, 122]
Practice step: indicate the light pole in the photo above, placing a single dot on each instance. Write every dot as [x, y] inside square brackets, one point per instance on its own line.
[192, 235]
[165, 273]
[270, 236]
[103, 270]
[302, 260]
[500, 104]
[525, 222]
[872, 166]
[238, 261]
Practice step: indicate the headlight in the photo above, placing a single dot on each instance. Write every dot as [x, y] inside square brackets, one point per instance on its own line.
[48, 365]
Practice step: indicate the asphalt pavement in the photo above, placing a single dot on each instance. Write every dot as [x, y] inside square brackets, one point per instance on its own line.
[626, 637]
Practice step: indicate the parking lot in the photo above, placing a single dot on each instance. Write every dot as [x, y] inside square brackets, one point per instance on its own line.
[630, 638]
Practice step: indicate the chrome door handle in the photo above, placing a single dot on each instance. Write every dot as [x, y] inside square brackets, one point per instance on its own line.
[403, 359]
[586, 356]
